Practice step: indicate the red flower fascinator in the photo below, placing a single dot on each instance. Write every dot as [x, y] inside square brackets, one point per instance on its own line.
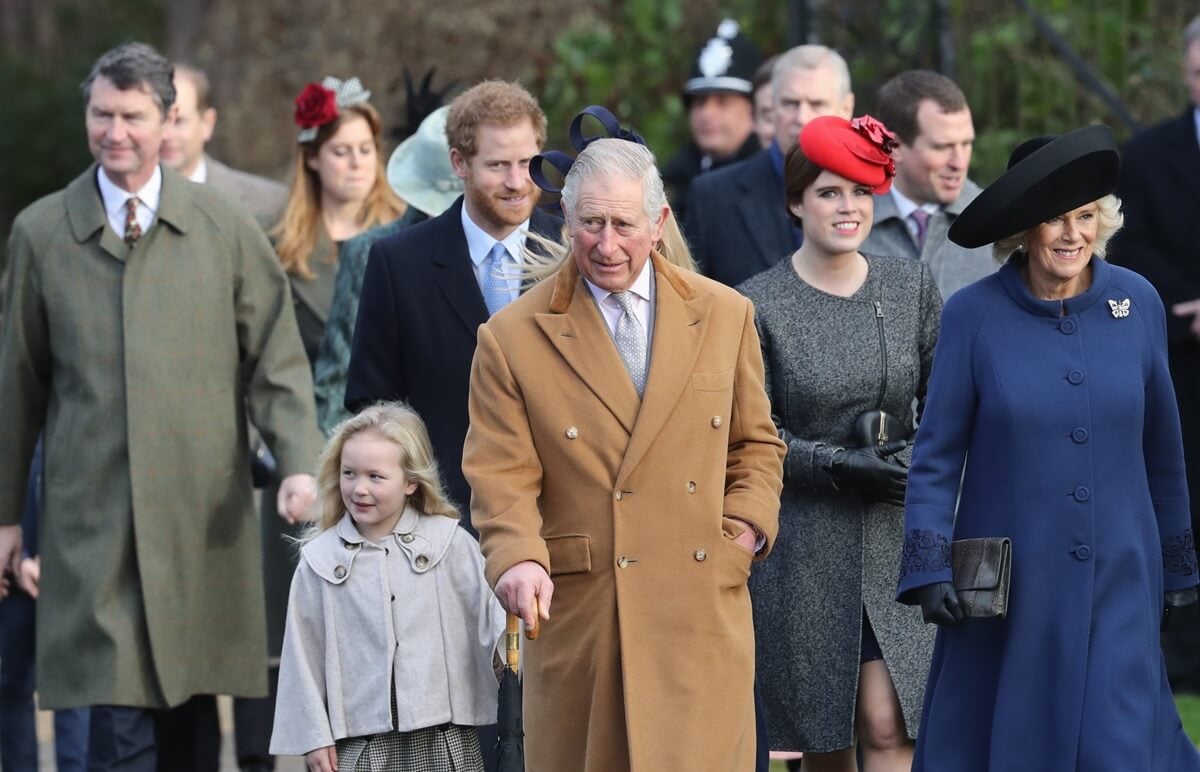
[859, 150]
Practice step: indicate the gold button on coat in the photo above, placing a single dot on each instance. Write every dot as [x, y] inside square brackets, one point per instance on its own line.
[691, 486]
[700, 555]
[619, 495]
[623, 562]
[422, 561]
[572, 432]
[406, 538]
[339, 571]
[716, 422]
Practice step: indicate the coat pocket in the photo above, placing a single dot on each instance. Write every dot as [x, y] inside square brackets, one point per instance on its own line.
[570, 554]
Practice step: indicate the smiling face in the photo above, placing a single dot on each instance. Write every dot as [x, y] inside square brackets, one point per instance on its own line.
[836, 213]
[499, 194]
[374, 486]
[125, 131]
[933, 168]
[346, 163]
[611, 236]
[1060, 250]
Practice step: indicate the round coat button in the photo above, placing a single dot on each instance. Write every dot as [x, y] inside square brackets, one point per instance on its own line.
[1082, 493]
[1083, 552]
[407, 538]
[691, 486]
[716, 422]
[1080, 434]
[622, 562]
[422, 561]
[572, 432]
[1075, 377]
[700, 555]
[620, 495]
[339, 572]
[1067, 326]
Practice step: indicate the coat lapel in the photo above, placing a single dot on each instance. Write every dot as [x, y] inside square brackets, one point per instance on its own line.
[575, 328]
[85, 212]
[456, 274]
[679, 326]
[758, 205]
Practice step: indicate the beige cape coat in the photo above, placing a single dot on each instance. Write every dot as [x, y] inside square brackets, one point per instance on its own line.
[647, 661]
[141, 365]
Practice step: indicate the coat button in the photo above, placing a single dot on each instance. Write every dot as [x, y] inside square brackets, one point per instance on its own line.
[407, 538]
[1082, 493]
[572, 432]
[700, 555]
[691, 486]
[422, 561]
[350, 545]
[1075, 377]
[1067, 326]
[1082, 552]
[716, 422]
[339, 572]
[1080, 434]
[619, 495]
[622, 562]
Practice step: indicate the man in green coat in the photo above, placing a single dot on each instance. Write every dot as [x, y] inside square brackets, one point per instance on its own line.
[144, 315]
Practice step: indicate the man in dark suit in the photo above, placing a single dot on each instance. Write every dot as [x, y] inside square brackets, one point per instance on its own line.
[428, 288]
[737, 221]
[183, 151]
[1160, 192]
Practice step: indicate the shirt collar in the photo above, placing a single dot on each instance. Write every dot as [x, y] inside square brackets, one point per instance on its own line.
[640, 286]
[906, 206]
[479, 243]
[114, 198]
[200, 173]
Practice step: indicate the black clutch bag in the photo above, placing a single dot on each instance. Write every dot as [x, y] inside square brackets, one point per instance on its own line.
[875, 427]
[982, 574]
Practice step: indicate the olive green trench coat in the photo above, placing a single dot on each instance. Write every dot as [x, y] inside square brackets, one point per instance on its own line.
[141, 364]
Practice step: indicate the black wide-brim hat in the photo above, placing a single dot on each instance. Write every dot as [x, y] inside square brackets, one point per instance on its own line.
[1046, 177]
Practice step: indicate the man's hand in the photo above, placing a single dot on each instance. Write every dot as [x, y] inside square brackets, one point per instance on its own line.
[29, 576]
[1190, 308]
[748, 538]
[519, 585]
[297, 494]
[10, 552]
[322, 759]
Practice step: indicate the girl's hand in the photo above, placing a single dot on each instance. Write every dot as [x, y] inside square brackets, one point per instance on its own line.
[322, 759]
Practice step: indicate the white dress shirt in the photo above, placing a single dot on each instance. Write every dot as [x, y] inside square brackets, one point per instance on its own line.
[200, 173]
[114, 199]
[905, 206]
[479, 245]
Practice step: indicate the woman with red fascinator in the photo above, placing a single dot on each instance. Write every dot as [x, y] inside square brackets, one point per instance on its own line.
[848, 343]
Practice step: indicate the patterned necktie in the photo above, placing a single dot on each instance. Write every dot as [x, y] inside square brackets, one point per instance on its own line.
[496, 293]
[630, 338]
[921, 218]
[133, 231]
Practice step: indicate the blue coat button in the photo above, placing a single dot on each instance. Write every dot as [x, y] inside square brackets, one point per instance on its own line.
[1067, 326]
[1080, 434]
[1082, 493]
[1075, 377]
[1083, 552]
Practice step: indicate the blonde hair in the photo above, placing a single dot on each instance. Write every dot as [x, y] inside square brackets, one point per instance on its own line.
[1111, 218]
[606, 159]
[401, 425]
[299, 231]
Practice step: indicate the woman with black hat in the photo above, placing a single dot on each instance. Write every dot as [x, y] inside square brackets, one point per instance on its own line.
[1051, 422]
[847, 343]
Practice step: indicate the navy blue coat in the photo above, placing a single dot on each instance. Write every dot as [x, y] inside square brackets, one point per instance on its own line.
[1069, 431]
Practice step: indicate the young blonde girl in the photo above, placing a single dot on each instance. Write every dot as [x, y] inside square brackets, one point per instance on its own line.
[391, 627]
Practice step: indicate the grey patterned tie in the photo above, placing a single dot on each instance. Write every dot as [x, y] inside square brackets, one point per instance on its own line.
[630, 338]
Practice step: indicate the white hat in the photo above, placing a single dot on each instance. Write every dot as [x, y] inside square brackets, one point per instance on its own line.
[420, 171]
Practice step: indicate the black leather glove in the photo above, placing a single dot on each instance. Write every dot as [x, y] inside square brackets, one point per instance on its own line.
[1179, 603]
[869, 471]
[939, 603]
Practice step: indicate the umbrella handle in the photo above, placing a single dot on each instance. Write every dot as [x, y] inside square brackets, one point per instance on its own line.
[512, 637]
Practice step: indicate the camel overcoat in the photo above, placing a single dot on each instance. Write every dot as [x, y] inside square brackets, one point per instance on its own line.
[141, 364]
[647, 661]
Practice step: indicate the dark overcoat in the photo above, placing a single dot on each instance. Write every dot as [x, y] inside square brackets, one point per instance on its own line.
[141, 364]
[1065, 416]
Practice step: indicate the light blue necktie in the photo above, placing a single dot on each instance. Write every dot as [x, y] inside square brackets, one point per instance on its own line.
[496, 293]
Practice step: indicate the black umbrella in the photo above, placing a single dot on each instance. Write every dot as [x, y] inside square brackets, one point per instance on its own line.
[510, 746]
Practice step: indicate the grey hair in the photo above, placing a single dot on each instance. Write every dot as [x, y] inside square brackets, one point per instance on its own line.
[811, 57]
[136, 66]
[1111, 219]
[1191, 33]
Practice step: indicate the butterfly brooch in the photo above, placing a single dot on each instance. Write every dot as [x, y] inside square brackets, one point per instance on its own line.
[1120, 308]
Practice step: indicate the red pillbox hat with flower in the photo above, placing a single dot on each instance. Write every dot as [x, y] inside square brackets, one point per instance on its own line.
[859, 149]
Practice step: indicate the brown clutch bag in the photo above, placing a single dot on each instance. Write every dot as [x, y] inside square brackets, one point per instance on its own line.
[982, 573]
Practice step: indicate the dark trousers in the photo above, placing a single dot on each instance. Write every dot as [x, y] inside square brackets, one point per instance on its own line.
[253, 719]
[186, 738]
[18, 731]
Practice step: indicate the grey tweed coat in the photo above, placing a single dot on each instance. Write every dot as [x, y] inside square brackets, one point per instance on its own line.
[836, 555]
